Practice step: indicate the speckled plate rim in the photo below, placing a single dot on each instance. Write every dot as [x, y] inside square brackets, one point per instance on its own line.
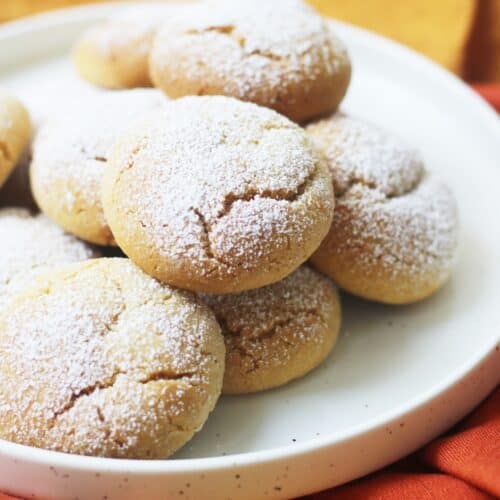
[66, 460]
[434, 75]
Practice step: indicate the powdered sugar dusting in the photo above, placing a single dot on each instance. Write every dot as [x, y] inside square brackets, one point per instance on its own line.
[359, 152]
[218, 183]
[71, 150]
[254, 49]
[103, 360]
[30, 247]
[389, 213]
[411, 235]
[265, 327]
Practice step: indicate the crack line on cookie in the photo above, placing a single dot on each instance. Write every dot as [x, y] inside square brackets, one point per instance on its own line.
[231, 32]
[228, 30]
[278, 195]
[268, 332]
[268, 55]
[165, 375]
[358, 181]
[207, 243]
[86, 391]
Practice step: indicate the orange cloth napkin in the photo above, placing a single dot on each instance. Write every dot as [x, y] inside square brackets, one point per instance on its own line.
[464, 464]
[490, 92]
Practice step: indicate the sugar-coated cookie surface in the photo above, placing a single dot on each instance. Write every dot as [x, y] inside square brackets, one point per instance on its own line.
[115, 53]
[217, 195]
[31, 246]
[15, 133]
[277, 333]
[70, 154]
[100, 359]
[278, 53]
[394, 234]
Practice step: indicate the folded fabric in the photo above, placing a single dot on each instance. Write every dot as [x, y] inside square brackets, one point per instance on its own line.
[398, 486]
[472, 451]
[462, 465]
[490, 92]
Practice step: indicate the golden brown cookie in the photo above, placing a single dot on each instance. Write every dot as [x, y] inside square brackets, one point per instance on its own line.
[115, 53]
[394, 234]
[32, 245]
[277, 333]
[70, 155]
[217, 195]
[15, 133]
[279, 54]
[100, 359]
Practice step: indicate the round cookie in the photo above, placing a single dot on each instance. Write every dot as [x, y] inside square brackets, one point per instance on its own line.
[277, 333]
[115, 53]
[15, 133]
[101, 359]
[279, 54]
[394, 234]
[217, 195]
[70, 154]
[32, 245]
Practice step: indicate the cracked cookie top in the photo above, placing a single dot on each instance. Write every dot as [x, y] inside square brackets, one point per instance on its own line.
[394, 233]
[277, 333]
[70, 154]
[361, 153]
[15, 133]
[217, 195]
[32, 245]
[278, 53]
[100, 359]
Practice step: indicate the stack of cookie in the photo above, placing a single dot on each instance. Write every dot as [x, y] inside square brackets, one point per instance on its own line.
[218, 187]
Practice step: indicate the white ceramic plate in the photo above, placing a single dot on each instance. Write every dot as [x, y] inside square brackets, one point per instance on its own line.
[399, 376]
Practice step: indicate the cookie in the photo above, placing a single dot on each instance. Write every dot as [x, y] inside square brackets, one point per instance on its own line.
[32, 245]
[114, 53]
[394, 234]
[279, 54]
[70, 154]
[277, 333]
[100, 359]
[217, 195]
[15, 133]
